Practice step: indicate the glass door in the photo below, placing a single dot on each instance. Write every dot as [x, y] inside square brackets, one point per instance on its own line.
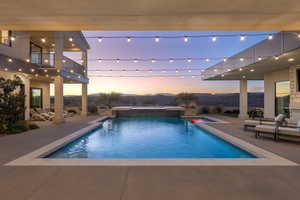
[282, 98]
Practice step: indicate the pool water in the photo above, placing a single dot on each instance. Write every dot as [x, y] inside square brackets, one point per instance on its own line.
[149, 137]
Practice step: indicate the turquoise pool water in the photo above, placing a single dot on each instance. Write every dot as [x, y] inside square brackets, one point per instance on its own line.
[155, 137]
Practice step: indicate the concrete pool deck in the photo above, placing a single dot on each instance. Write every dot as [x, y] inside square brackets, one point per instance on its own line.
[94, 182]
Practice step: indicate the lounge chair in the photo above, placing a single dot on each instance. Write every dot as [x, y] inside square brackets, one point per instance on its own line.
[265, 121]
[277, 131]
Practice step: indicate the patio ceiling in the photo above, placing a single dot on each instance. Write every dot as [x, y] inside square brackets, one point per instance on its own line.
[257, 70]
[150, 15]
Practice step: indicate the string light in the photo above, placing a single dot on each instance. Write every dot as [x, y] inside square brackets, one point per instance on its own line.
[129, 39]
[171, 60]
[242, 59]
[251, 70]
[46, 60]
[214, 38]
[36, 75]
[135, 61]
[259, 58]
[19, 69]
[28, 60]
[186, 39]
[276, 58]
[99, 39]
[12, 38]
[118, 60]
[153, 60]
[9, 60]
[32, 70]
[207, 59]
[100, 60]
[45, 70]
[189, 60]
[43, 40]
[242, 37]
[70, 39]
[53, 44]
[291, 59]
[156, 39]
[225, 59]
[241, 69]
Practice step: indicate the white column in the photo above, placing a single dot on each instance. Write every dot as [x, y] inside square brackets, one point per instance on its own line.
[84, 99]
[59, 81]
[84, 90]
[27, 98]
[243, 99]
[269, 96]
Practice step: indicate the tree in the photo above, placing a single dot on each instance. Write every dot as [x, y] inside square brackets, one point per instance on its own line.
[12, 106]
[109, 99]
[186, 99]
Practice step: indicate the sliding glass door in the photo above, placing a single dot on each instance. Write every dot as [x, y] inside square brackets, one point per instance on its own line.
[36, 100]
[282, 98]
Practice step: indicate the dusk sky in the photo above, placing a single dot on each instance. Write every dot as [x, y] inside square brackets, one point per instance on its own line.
[165, 48]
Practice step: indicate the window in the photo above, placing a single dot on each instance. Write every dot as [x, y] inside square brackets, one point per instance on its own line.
[298, 79]
[36, 53]
[5, 37]
[282, 98]
[36, 97]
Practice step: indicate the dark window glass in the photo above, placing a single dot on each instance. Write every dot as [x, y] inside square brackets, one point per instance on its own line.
[36, 97]
[36, 53]
[282, 98]
[298, 79]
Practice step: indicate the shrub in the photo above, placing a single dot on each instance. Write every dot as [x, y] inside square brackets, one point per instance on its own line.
[33, 126]
[205, 110]
[72, 111]
[93, 109]
[218, 109]
[19, 127]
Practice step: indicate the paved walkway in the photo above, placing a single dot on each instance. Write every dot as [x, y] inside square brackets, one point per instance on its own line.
[136, 183]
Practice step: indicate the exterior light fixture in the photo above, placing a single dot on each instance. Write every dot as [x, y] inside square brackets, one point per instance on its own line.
[70, 39]
[5, 69]
[117, 60]
[291, 59]
[270, 37]
[129, 39]
[207, 59]
[63, 61]
[251, 70]
[46, 60]
[214, 38]
[276, 58]
[99, 60]
[225, 59]
[153, 60]
[242, 37]
[12, 38]
[19, 69]
[28, 60]
[171, 60]
[45, 70]
[72, 71]
[242, 59]
[36, 75]
[99, 39]
[259, 58]
[241, 69]
[43, 40]
[135, 60]
[9, 60]
[32, 70]
[189, 60]
[244, 77]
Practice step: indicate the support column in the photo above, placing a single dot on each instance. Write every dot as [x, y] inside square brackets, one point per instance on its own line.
[59, 81]
[84, 90]
[243, 99]
[27, 98]
[84, 99]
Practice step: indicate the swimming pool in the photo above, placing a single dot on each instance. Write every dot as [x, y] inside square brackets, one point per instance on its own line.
[149, 137]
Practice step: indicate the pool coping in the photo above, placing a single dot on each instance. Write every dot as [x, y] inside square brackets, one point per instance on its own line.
[264, 158]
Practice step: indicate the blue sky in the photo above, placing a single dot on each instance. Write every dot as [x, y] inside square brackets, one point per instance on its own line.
[166, 48]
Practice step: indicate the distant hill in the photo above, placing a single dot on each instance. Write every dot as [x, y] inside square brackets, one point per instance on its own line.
[163, 99]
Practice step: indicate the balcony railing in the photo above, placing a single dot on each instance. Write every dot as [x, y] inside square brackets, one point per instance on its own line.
[282, 42]
[69, 65]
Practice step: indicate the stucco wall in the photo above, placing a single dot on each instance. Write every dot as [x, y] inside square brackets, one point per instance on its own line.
[295, 95]
[20, 47]
[269, 92]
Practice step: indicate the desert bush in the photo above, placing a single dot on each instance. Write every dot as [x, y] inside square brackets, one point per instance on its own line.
[92, 109]
[204, 110]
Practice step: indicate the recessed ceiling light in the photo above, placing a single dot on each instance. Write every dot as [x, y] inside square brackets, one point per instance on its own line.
[291, 59]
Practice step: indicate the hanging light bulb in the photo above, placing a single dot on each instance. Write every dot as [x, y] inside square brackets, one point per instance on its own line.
[214, 38]
[186, 39]
[70, 39]
[207, 60]
[176, 71]
[129, 39]
[45, 70]
[12, 38]
[189, 60]
[171, 60]
[190, 71]
[156, 39]
[43, 40]
[242, 37]
[225, 59]
[117, 60]
[47, 75]
[9, 60]
[135, 60]
[270, 37]
[99, 39]
[63, 61]
[72, 71]
[46, 60]
[53, 44]
[153, 60]
[241, 69]
[32, 70]
[276, 58]
[36, 75]
[259, 58]
[28, 60]
[242, 59]
[19, 69]
[99, 60]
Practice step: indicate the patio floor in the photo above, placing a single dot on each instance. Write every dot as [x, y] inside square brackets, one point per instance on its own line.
[136, 183]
